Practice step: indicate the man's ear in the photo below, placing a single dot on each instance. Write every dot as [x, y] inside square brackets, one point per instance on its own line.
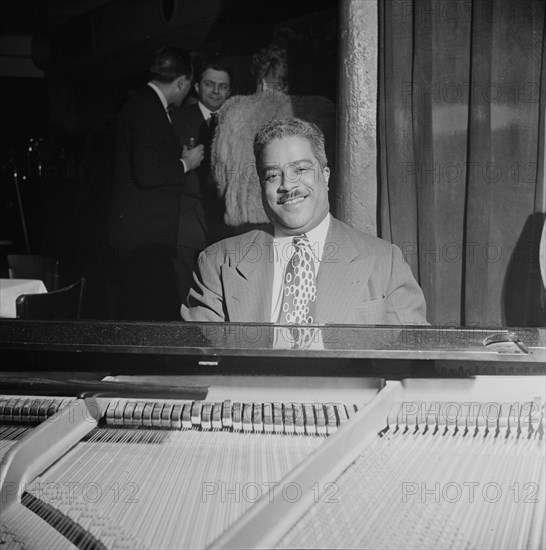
[326, 174]
[196, 88]
[180, 82]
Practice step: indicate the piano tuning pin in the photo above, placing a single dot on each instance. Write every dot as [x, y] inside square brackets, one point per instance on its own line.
[393, 415]
[529, 418]
[491, 413]
[503, 426]
[408, 415]
[540, 431]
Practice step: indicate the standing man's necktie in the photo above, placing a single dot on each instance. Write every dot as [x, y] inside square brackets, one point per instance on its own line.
[299, 286]
[212, 121]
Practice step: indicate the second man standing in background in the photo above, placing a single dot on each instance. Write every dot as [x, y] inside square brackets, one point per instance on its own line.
[201, 211]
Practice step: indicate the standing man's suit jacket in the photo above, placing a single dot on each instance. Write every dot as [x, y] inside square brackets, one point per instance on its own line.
[149, 175]
[201, 210]
[361, 280]
[188, 122]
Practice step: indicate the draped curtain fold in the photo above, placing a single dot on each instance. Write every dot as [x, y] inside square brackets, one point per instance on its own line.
[461, 154]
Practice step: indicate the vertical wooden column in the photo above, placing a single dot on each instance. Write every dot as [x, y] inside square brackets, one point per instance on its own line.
[356, 195]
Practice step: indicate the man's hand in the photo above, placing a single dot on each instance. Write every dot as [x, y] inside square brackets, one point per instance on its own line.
[193, 157]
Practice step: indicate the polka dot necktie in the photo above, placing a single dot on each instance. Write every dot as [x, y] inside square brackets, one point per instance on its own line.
[299, 286]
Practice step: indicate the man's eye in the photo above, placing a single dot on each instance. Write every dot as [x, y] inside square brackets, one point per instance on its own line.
[297, 172]
[271, 177]
[301, 169]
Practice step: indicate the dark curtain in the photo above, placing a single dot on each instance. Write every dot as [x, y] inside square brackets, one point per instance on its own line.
[462, 89]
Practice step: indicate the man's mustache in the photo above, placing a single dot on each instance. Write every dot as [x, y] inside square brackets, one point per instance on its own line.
[290, 196]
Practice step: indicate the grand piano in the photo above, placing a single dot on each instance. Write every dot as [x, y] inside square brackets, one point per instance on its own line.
[172, 435]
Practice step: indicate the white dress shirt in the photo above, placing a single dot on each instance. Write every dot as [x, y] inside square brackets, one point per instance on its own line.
[205, 111]
[283, 249]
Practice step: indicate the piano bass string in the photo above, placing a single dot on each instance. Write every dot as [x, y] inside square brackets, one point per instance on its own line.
[19, 414]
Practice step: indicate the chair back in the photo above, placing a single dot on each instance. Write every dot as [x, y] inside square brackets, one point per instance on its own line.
[30, 266]
[64, 303]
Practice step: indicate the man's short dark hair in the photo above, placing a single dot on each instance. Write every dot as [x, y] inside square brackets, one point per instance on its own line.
[216, 65]
[291, 127]
[169, 63]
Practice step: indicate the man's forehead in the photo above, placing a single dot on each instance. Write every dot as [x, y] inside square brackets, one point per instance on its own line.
[295, 147]
[289, 143]
[294, 162]
[215, 76]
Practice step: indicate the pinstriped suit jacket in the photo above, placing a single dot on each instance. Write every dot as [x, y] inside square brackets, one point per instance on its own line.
[361, 280]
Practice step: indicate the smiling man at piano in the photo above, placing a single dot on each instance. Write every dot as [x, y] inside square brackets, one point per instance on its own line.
[306, 267]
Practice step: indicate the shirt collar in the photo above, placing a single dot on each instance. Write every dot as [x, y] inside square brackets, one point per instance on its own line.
[160, 95]
[205, 111]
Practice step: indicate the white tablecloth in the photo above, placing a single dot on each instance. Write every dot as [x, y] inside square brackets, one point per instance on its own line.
[11, 288]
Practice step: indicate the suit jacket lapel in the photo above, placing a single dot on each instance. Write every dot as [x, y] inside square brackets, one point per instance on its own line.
[248, 284]
[343, 275]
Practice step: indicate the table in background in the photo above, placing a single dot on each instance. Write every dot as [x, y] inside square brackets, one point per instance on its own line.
[10, 289]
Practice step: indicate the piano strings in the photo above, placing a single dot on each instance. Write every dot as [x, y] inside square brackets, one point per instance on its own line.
[176, 474]
[18, 414]
[190, 469]
[476, 482]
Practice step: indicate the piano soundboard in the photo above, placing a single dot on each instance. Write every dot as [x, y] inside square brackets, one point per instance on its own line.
[275, 461]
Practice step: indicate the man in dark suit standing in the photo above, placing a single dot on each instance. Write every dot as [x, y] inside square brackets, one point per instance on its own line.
[201, 210]
[151, 175]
